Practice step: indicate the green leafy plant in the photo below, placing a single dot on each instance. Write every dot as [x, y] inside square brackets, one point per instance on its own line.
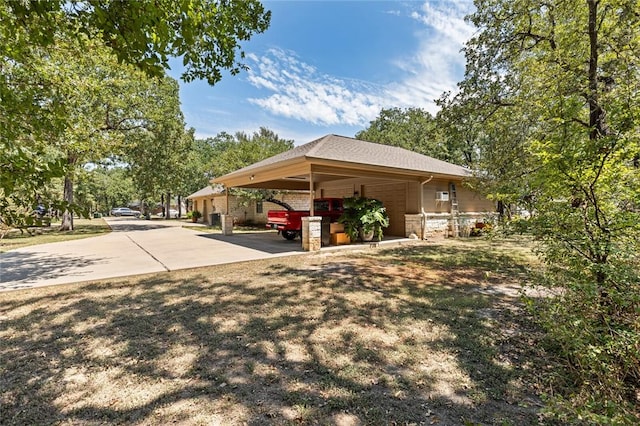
[194, 215]
[362, 216]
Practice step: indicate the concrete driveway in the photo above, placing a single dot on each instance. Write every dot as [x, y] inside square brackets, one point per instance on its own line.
[134, 247]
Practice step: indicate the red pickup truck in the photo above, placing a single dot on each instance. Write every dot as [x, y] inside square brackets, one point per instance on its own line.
[289, 222]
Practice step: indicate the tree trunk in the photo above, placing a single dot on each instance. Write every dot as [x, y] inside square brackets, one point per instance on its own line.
[167, 215]
[596, 114]
[179, 205]
[67, 216]
[598, 130]
[500, 210]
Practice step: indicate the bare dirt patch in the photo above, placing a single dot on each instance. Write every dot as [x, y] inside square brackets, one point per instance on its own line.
[426, 334]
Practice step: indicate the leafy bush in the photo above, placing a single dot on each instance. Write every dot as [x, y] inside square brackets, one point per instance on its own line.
[194, 215]
[598, 338]
[363, 215]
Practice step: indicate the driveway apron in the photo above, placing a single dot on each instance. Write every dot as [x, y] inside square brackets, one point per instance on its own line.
[134, 247]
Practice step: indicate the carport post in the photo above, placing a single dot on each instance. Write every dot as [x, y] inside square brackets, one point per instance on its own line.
[226, 220]
[311, 194]
[226, 200]
[311, 233]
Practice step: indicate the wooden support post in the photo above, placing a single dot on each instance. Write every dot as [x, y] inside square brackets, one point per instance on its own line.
[311, 194]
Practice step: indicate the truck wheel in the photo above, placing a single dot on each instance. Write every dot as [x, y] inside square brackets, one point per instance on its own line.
[289, 235]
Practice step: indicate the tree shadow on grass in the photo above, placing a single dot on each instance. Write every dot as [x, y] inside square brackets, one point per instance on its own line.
[345, 340]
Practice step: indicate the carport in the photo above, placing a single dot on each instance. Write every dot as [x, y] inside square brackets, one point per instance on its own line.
[338, 166]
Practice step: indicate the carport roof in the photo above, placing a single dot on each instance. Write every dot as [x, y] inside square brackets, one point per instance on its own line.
[344, 153]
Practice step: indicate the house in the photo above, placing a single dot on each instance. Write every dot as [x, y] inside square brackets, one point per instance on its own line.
[422, 195]
[213, 199]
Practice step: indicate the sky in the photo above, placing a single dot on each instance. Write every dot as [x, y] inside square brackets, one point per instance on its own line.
[329, 67]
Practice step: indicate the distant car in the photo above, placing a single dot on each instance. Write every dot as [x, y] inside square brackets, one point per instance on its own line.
[172, 213]
[124, 211]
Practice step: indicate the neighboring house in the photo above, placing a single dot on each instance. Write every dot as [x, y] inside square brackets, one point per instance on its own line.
[213, 199]
[422, 194]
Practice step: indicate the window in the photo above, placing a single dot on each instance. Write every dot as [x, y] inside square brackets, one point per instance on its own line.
[259, 207]
[321, 205]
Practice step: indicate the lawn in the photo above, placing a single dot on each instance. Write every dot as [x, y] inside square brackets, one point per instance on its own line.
[83, 228]
[421, 334]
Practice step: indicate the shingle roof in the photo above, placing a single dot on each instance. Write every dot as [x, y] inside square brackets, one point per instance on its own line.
[344, 149]
[207, 190]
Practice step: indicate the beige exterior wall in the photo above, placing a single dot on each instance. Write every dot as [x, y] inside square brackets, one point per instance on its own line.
[472, 202]
[346, 187]
[468, 201]
[406, 218]
[297, 200]
[197, 205]
[243, 211]
[413, 202]
[338, 189]
[403, 209]
[429, 202]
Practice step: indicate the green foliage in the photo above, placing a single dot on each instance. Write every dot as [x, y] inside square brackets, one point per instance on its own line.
[363, 215]
[550, 102]
[75, 85]
[231, 153]
[194, 215]
[204, 33]
[413, 129]
[196, 172]
[30, 114]
[157, 150]
[103, 188]
[90, 108]
[240, 150]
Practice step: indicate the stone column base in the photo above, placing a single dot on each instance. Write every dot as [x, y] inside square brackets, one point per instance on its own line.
[311, 233]
[226, 221]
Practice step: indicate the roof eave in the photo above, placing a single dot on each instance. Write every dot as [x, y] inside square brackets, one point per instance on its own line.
[252, 176]
[395, 171]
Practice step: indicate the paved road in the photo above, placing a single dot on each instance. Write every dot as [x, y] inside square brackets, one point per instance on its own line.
[134, 247]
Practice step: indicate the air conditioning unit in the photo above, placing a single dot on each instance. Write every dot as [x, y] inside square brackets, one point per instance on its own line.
[442, 196]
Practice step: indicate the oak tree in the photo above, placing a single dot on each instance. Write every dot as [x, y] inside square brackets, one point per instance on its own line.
[551, 99]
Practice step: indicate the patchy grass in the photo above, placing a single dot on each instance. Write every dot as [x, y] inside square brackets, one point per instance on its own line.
[84, 228]
[421, 334]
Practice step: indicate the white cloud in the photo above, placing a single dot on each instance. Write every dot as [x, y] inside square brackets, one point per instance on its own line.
[438, 63]
[300, 91]
[447, 19]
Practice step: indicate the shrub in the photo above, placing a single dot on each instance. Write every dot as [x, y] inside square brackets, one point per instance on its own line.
[194, 215]
[363, 215]
[599, 344]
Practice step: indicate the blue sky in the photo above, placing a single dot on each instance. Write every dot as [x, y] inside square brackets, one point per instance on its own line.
[330, 67]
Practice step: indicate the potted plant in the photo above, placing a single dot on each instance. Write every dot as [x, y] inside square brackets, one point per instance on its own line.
[194, 215]
[364, 218]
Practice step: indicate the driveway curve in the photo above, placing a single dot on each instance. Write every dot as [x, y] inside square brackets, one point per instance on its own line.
[134, 247]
